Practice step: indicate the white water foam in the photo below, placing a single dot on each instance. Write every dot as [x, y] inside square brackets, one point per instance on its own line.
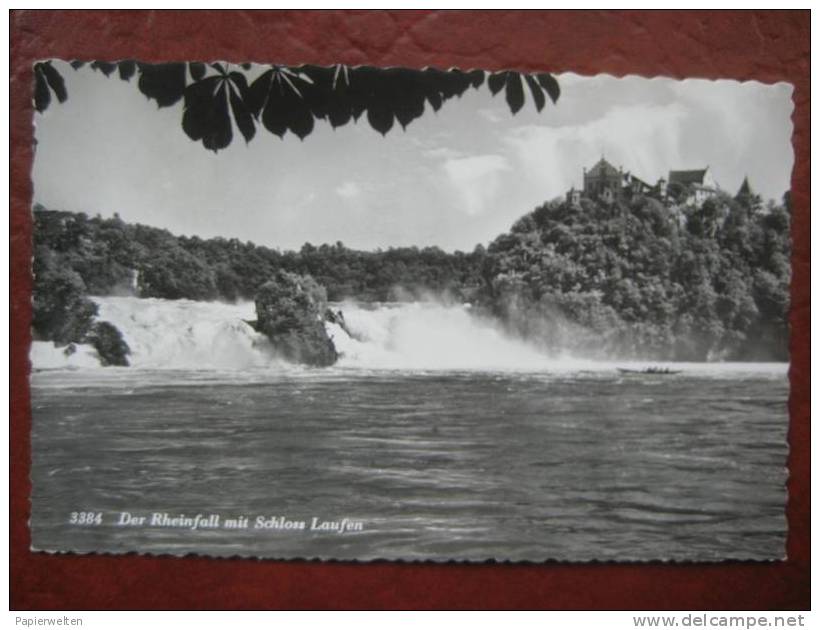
[185, 334]
[46, 356]
[427, 336]
[415, 336]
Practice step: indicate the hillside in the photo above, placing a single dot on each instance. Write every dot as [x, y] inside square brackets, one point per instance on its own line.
[646, 279]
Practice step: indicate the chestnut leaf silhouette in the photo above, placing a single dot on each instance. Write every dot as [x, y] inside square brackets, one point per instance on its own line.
[219, 99]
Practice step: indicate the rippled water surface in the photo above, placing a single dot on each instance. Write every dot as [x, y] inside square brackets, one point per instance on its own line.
[436, 465]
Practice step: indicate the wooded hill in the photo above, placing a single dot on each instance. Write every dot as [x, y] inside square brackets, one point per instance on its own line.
[646, 279]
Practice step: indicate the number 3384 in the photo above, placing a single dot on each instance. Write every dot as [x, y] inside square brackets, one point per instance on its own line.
[86, 518]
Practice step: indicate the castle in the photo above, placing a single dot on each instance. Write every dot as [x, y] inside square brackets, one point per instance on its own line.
[606, 183]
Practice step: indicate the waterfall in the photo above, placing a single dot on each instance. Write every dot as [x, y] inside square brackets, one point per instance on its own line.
[185, 334]
[415, 336]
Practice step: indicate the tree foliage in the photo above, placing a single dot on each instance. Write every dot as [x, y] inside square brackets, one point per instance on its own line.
[63, 313]
[109, 344]
[61, 309]
[646, 279]
[110, 256]
[220, 100]
[290, 312]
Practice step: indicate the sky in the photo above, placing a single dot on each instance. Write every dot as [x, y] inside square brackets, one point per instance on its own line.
[453, 179]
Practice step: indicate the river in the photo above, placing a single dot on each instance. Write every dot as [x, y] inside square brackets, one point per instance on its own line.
[434, 438]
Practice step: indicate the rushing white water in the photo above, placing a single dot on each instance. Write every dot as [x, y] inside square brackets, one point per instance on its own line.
[189, 335]
[184, 334]
[46, 356]
[174, 334]
[427, 335]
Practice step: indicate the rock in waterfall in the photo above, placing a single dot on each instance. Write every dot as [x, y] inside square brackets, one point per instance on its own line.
[290, 310]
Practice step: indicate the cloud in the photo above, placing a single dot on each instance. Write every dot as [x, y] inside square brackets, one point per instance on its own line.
[644, 139]
[743, 129]
[490, 115]
[475, 180]
[443, 153]
[349, 190]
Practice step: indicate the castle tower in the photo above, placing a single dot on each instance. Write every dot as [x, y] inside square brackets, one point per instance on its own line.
[601, 177]
[745, 189]
[747, 197]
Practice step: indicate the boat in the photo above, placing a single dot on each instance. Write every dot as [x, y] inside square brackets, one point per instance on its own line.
[650, 370]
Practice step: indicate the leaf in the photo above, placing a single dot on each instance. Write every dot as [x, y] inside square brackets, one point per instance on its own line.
[357, 108]
[408, 111]
[258, 92]
[105, 67]
[380, 118]
[55, 81]
[496, 81]
[389, 95]
[435, 101]
[77, 64]
[339, 114]
[127, 69]
[284, 111]
[537, 94]
[197, 70]
[275, 115]
[301, 121]
[549, 83]
[221, 134]
[42, 95]
[242, 116]
[431, 85]
[206, 116]
[515, 92]
[165, 83]
[201, 91]
[198, 114]
[476, 78]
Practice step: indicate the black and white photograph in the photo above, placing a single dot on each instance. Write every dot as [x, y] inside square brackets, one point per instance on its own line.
[358, 313]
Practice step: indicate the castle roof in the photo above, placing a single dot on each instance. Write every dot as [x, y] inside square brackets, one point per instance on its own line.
[632, 178]
[745, 188]
[602, 167]
[688, 177]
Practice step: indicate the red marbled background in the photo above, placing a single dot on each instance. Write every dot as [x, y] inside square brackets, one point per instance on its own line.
[766, 46]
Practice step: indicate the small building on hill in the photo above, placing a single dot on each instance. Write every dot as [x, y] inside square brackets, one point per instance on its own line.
[692, 187]
[605, 183]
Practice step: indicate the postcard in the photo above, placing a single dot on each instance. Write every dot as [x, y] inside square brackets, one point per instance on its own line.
[364, 313]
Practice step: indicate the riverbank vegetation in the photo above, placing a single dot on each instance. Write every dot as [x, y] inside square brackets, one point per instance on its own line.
[636, 277]
[640, 278]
